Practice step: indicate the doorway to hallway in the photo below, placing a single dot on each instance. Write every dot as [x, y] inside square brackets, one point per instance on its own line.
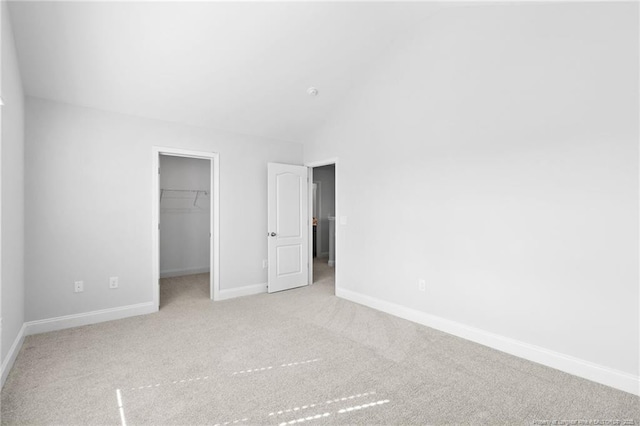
[324, 223]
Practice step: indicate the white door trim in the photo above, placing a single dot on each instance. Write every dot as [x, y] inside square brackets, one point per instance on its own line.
[214, 252]
[319, 206]
[310, 166]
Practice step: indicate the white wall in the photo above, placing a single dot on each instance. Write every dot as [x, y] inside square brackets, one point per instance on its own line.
[88, 204]
[325, 175]
[184, 219]
[508, 140]
[12, 187]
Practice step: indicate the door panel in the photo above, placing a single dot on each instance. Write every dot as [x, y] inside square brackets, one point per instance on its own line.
[289, 260]
[288, 191]
[287, 226]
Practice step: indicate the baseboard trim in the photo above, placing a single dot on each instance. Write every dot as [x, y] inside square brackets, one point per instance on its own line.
[566, 363]
[7, 364]
[94, 317]
[248, 290]
[169, 273]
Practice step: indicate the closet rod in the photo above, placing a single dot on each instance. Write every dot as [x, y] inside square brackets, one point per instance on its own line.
[197, 191]
[185, 190]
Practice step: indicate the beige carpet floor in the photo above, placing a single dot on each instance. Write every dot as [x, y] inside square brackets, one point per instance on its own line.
[296, 357]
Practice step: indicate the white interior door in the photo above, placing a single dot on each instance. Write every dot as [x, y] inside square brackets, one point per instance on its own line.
[288, 226]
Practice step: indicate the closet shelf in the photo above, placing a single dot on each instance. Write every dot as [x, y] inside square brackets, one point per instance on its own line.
[197, 193]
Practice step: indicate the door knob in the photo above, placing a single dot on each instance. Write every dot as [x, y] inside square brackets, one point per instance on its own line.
[273, 234]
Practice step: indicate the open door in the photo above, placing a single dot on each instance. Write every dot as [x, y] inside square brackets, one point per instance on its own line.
[288, 226]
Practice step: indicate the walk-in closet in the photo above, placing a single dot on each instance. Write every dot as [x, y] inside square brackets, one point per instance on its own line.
[185, 200]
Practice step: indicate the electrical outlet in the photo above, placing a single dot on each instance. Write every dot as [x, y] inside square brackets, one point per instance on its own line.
[422, 285]
[265, 264]
[78, 286]
[113, 282]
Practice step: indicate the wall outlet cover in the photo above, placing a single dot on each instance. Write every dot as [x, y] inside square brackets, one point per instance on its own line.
[113, 282]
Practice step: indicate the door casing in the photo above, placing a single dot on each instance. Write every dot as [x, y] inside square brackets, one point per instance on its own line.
[214, 226]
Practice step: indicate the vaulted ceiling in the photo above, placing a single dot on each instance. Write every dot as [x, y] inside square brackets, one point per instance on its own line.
[240, 67]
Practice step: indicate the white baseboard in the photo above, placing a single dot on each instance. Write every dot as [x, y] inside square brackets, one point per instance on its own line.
[7, 364]
[180, 272]
[248, 290]
[569, 364]
[332, 263]
[94, 317]
[68, 321]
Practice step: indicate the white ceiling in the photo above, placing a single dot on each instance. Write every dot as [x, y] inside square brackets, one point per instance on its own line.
[240, 67]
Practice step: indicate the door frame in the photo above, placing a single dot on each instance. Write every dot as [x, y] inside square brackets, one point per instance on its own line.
[214, 220]
[319, 205]
[310, 165]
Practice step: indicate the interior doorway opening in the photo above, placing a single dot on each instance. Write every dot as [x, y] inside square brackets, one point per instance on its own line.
[185, 220]
[323, 217]
[185, 229]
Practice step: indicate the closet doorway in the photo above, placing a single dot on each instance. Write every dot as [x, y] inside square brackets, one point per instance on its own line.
[186, 234]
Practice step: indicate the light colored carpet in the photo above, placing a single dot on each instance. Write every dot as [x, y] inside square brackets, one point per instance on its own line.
[322, 272]
[297, 357]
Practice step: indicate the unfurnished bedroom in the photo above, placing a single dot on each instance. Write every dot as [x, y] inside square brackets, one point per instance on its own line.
[310, 213]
